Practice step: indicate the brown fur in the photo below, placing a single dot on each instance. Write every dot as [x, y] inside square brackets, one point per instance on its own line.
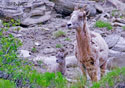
[91, 50]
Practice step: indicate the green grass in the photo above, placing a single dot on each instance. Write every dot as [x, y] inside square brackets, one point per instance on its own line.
[58, 46]
[34, 50]
[67, 39]
[7, 84]
[102, 24]
[109, 80]
[80, 83]
[59, 34]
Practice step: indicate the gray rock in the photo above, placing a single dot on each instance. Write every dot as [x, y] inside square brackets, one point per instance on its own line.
[24, 53]
[37, 19]
[118, 24]
[120, 46]
[38, 11]
[117, 53]
[112, 40]
[116, 4]
[117, 58]
[1, 75]
[0, 23]
[49, 50]
[28, 11]
[5, 76]
[99, 8]
[71, 61]
[65, 7]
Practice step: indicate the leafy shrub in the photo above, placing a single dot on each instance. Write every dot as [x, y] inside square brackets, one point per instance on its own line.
[113, 77]
[7, 84]
[102, 24]
[22, 70]
[59, 34]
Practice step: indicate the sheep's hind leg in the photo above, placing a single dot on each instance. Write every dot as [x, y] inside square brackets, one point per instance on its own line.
[103, 68]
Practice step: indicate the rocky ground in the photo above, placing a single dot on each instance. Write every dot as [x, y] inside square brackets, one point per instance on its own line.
[41, 19]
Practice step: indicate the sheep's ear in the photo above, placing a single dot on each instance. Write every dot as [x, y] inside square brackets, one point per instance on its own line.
[87, 13]
[83, 8]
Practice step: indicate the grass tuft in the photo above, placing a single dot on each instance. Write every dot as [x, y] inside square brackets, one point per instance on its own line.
[58, 46]
[59, 34]
[102, 24]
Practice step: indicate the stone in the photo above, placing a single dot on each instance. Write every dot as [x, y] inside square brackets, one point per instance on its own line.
[116, 4]
[118, 24]
[36, 19]
[99, 8]
[0, 23]
[112, 40]
[117, 58]
[38, 12]
[71, 61]
[49, 50]
[5, 76]
[117, 53]
[28, 11]
[65, 7]
[37, 43]
[1, 75]
[120, 46]
[25, 53]
[1, 14]
[119, 20]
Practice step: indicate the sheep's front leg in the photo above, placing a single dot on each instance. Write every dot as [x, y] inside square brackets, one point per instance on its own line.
[93, 69]
[82, 66]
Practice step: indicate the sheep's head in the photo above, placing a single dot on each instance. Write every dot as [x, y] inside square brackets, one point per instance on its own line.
[77, 18]
[61, 56]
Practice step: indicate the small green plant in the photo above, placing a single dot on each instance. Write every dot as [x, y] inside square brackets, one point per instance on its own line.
[102, 24]
[40, 62]
[115, 13]
[7, 84]
[17, 29]
[123, 27]
[59, 34]
[67, 39]
[34, 50]
[58, 46]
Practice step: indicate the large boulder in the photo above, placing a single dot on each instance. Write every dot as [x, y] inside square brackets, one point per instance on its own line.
[117, 4]
[65, 7]
[28, 11]
[117, 50]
